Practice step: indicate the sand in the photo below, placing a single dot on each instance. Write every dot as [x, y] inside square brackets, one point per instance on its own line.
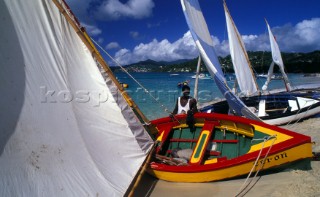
[282, 184]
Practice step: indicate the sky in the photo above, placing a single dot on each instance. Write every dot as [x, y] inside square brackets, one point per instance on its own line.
[137, 30]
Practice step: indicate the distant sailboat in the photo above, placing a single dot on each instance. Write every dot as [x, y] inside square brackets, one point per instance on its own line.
[276, 59]
[64, 131]
[274, 108]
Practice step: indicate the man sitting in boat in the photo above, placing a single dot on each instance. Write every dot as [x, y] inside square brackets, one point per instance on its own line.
[185, 103]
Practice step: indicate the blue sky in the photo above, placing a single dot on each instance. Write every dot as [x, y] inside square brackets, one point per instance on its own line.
[137, 30]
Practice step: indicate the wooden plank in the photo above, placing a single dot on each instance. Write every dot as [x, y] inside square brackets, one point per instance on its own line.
[203, 141]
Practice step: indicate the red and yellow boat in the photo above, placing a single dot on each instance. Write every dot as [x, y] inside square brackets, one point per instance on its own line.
[221, 147]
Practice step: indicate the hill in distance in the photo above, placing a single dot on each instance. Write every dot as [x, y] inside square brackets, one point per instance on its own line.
[294, 63]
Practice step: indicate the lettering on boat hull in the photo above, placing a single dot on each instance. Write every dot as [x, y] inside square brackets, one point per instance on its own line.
[272, 159]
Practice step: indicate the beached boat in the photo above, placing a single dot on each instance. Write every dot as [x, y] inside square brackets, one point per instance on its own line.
[286, 106]
[222, 147]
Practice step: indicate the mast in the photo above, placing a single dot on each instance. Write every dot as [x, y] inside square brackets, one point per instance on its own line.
[244, 52]
[195, 95]
[95, 53]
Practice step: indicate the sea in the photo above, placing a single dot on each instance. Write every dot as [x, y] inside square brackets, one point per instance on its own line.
[156, 93]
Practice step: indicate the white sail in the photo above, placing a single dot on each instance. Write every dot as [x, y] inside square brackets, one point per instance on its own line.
[204, 42]
[269, 76]
[241, 64]
[277, 59]
[202, 38]
[62, 133]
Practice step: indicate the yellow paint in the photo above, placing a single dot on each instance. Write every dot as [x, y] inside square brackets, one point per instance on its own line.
[211, 161]
[181, 126]
[200, 147]
[280, 137]
[304, 151]
[159, 139]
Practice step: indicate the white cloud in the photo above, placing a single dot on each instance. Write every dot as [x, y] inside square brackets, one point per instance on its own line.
[184, 48]
[134, 34]
[112, 45]
[100, 40]
[303, 37]
[115, 10]
[91, 29]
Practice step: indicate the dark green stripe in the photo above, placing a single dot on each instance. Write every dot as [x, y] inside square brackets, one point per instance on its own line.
[201, 143]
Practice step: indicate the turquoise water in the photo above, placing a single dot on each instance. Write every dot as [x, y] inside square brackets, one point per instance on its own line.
[164, 91]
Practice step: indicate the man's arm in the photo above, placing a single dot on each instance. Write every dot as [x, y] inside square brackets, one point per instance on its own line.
[193, 105]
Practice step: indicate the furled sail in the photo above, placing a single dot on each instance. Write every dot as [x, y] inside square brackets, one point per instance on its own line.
[241, 64]
[277, 59]
[62, 130]
[204, 43]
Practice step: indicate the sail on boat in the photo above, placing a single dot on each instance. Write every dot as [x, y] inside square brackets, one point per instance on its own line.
[63, 132]
[204, 42]
[276, 59]
[241, 64]
[274, 108]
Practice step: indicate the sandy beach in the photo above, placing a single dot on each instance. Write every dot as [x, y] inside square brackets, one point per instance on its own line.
[286, 183]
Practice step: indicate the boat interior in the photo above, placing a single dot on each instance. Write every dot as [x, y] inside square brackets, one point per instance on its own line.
[208, 142]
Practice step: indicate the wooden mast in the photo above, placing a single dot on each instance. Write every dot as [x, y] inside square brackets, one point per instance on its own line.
[195, 94]
[95, 53]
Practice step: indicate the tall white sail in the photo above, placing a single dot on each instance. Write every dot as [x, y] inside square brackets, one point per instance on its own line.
[204, 42]
[277, 59]
[241, 64]
[202, 38]
[62, 132]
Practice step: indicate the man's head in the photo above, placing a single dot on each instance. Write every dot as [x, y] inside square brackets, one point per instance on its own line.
[185, 90]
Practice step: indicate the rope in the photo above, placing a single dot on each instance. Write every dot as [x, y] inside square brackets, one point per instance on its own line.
[243, 187]
[145, 89]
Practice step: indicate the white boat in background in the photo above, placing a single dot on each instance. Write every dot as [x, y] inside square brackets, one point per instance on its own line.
[202, 76]
[273, 108]
[265, 76]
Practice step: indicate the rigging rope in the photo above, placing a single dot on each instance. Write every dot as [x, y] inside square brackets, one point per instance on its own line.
[243, 187]
[145, 89]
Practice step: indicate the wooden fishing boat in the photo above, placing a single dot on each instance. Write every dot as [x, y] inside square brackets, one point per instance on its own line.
[222, 147]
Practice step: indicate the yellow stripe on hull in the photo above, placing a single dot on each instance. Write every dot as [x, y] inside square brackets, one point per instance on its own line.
[290, 155]
[280, 138]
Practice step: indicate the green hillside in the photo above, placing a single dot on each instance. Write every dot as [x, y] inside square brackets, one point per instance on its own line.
[294, 63]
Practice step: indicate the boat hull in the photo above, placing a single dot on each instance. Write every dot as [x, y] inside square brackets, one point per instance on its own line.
[219, 172]
[277, 107]
[288, 147]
